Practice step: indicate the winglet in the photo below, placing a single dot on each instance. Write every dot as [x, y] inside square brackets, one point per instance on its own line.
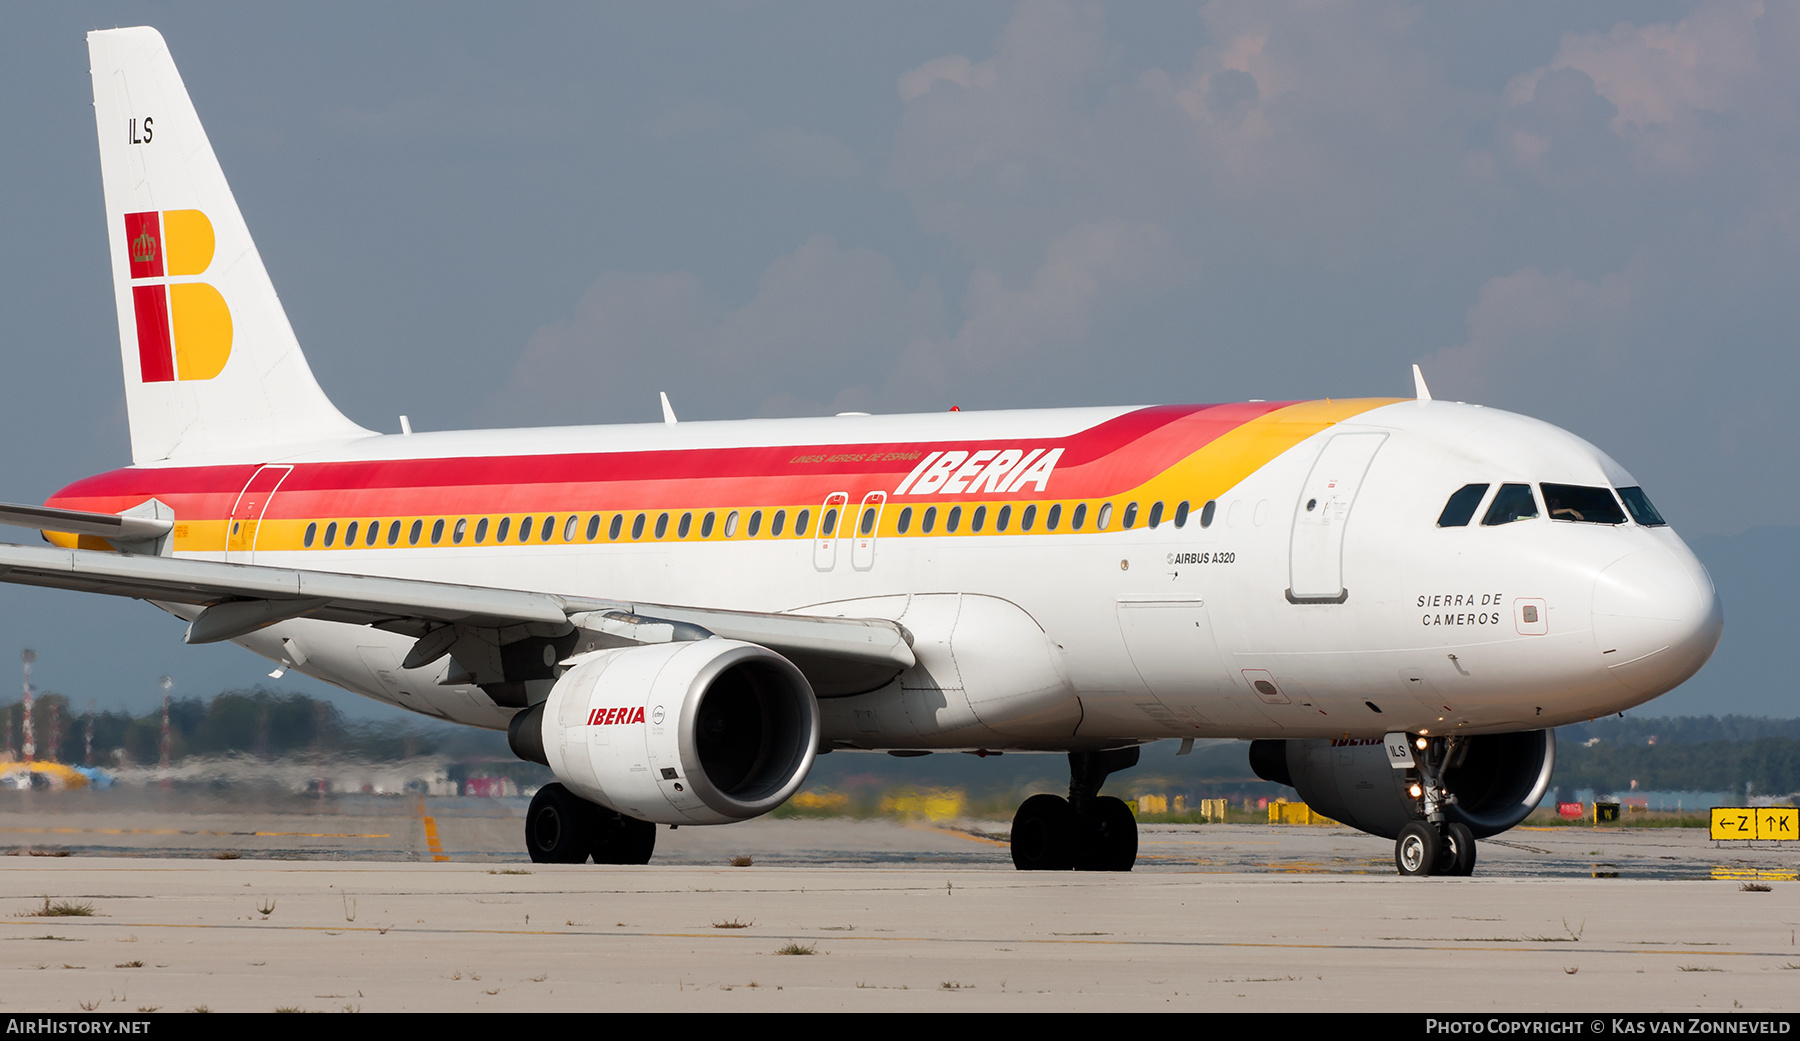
[1420, 390]
[668, 410]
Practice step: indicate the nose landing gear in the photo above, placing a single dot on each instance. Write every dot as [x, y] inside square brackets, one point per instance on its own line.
[1433, 846]
[1427, 849]
[1085, 832]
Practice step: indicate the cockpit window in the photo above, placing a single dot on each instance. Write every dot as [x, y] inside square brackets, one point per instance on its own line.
[1574, 502]
[1461, 506]
[1641, 510]
[1512, 502]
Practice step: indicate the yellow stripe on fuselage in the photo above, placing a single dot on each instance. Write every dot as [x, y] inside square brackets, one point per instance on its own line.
[1223, 463]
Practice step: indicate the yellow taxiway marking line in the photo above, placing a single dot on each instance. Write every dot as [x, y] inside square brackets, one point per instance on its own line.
[431, 835]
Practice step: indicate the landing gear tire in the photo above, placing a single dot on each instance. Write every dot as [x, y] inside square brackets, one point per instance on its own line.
[1112, 836]
[1045, 833]
[1458, 855]
[622, 840]
[559, 828]
[1418, 850]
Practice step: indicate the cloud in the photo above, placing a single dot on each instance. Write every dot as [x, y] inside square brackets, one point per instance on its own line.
[802, 156]
[1661, 78]
[805, 339]
[694, 116]
[953, 68]
[828, 329]
[1529, 329]
[1289, 133]
[1095, 263]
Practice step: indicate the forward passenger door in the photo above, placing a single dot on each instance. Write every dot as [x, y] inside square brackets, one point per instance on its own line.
[1316, 554]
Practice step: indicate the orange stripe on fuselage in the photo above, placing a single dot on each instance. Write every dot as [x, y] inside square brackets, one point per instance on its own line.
[1165, 452]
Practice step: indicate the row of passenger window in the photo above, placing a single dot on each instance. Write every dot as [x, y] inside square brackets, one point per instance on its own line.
[1564, 502]
[364, 534]
[529, 529]
[1053, 517]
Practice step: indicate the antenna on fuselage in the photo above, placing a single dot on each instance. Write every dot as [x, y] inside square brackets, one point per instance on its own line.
[668, 410]
[1420, 390]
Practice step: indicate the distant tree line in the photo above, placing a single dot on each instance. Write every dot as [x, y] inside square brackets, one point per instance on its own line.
[1686, 753]
[1736, 754]
[1765, 766]
[252, 722]
[1676, 730]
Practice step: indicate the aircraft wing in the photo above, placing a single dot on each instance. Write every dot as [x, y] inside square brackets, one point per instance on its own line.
[241, 598]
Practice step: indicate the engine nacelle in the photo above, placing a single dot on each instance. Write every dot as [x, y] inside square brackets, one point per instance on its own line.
[694, 732]
[1497, 780]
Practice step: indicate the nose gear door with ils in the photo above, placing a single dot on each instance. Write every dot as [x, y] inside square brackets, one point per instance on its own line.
[1316, 554]
[247, 512]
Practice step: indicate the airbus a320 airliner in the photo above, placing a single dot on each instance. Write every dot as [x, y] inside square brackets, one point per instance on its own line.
[1394, 599]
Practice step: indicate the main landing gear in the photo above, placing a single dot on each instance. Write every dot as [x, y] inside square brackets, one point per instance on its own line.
[1433, 846]
[561, 828]
[1085, 832]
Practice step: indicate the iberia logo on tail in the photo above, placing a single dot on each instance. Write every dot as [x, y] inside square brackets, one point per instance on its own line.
[183, 328]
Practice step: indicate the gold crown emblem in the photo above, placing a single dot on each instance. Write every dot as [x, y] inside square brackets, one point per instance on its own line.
[143, 248]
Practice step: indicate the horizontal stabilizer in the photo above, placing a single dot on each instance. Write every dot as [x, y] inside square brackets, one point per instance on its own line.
[121, 527]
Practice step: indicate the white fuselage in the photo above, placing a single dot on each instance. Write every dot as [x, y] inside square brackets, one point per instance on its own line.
[1058, 640]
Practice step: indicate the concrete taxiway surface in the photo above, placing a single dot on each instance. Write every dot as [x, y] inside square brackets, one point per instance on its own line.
[346, 904]
[260, 935]
[189, 823]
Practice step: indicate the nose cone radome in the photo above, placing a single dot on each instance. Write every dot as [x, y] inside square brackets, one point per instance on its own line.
[1656, 618]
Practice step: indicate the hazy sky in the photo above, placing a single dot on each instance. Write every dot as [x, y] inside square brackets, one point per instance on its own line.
[1589, 213]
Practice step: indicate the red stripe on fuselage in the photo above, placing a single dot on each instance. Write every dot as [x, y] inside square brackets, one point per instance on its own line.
[1117, 454]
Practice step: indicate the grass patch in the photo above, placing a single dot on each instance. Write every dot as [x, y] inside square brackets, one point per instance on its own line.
[1754, 887]
[732, 923]
[1646, 819]
[744, 861]
[796, 949]
[59, 909]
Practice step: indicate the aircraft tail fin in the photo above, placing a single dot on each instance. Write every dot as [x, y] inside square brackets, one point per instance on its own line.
[211, 365]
